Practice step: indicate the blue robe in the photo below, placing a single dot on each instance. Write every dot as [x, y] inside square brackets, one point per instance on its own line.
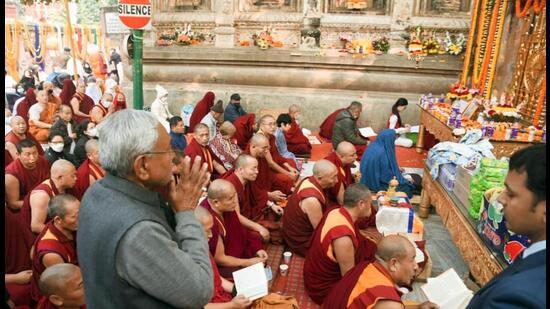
[379, 165]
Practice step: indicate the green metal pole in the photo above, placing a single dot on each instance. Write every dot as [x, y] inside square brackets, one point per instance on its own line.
[137, 69]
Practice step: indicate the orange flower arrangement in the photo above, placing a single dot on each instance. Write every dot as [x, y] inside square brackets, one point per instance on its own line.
[523, 12]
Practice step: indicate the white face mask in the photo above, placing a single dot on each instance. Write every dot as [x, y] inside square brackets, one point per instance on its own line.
[92, 132]
[107, 103]
[57, 147]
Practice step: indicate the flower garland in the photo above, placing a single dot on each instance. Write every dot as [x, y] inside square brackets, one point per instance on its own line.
[12, 49]
[538, 7]
[481, 46]
[540, 101]
[470, 42]
[456, 47]
[523, 12]
[496, 48]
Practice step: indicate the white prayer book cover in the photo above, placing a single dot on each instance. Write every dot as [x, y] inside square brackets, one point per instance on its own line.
[251, 281]
[367, 132]
[307, 169]
[313, 140]
[415, 129]
[447, 290]
[306, 132]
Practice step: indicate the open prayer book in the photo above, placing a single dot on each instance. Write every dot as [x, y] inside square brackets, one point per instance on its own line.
[251, 281]
[447, 290]
[367, 132]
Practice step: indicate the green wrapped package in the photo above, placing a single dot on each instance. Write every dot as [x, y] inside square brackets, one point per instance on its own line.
[494, 173]
[487, 162]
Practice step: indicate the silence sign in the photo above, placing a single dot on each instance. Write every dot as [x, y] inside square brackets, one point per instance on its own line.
[135, 14]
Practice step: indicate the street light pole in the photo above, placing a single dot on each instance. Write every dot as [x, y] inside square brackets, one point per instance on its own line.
[137, 69]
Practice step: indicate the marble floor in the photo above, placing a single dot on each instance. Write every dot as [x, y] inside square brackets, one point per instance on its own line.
[443, 252]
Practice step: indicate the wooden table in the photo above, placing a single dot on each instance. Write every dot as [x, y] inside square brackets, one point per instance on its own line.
[444, 133]
[483, 263]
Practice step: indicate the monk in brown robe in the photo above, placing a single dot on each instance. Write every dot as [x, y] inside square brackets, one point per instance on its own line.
[337, 245]
[19, 131]
[56, 243]
[222, 297]
[34, 212]
[296, 141]
[285, 173]
[199, 147]
[232, 245]
[374, 285]
[201, 109]
[246, 126]
[344, 157]
[264, 189]
[81, 103]
[62, 287]
[103, 108]
[41, 117]
[246, 171]
[89, 171]
[23, 174]
[306, 207]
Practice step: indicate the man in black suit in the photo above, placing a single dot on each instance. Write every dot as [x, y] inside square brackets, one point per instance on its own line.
[522, 284]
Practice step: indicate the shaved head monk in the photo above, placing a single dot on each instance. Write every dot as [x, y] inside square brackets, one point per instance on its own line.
[222, 297]
[57, 242]
[35, 206]
[374, 285]
[199, 148]
[306, 207]
[265, 189]
[62, 287]
[296, 141]
[337, 245]
[23, 174]
[90, 170]
[285, 169]
[232, 245]
[245, 172]
[343, 157]
[345, 128]
[19, 131]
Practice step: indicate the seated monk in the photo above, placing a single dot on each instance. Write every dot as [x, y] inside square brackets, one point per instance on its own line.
[56, 243]
[222, 297]
[285, 172]
[41, 117]
[52, 98]
[337, 245]
[246, 171]
[23, 174]
[345, 128]
[374, 285]
[246, 126]
[202, 108]
[19, 131]
[89, 171]
[232, 245]
[306, 207]
[62, 287]
[264, 189]
[81, 103]
[343, 157]
[199, 147]
[103, 108]
[325, 130]
[34, 213]
[296, 141]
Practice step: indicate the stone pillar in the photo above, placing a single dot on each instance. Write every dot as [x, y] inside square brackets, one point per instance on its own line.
[400, 20]
[225, 30]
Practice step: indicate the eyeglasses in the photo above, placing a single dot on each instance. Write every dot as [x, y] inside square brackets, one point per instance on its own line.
[171, 151]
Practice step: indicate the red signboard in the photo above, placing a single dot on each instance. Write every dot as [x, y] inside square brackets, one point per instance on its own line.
[135, 14]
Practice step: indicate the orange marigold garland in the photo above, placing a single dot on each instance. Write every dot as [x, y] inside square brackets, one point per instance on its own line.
[470, 42]
[539, 6]
[523, 12]
[540, 101]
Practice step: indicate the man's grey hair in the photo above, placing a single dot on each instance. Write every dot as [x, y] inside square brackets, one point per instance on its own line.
[57, 206]
[123, 136]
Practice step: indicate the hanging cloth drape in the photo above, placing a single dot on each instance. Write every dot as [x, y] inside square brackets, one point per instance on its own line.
[38, 47]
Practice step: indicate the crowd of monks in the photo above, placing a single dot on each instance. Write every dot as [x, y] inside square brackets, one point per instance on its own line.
[261, 198]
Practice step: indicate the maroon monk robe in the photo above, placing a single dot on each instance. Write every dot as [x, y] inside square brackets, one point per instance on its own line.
[238, 241]
[25, 215]
[363, 287]
[7, 158]
[328, 124]
[244, 194]
[86, 169]
[345, 176]
[245, 129]
[195, 149]
[281, 181]
[17, 245]
[201, 109]
[220, 295]
[296, 228]
[85, 106]
[296, 141]
[68, 91]
[24, 106]
[28, 179]
[45, 303]
[321, 269]
[50, 240]
[264, 183]
[11, 137]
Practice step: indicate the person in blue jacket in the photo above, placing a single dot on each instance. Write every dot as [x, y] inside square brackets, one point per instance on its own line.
[522, 284]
